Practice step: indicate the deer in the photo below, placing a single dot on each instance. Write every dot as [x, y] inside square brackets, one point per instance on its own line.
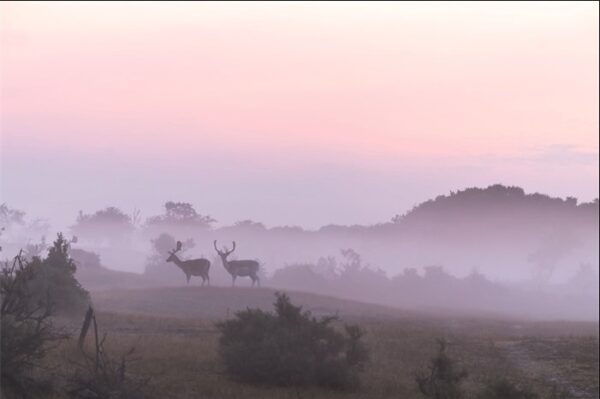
[238, 268]
[193, 267]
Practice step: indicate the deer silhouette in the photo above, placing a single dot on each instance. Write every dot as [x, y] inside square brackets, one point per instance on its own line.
[193, 267]
[238, 268]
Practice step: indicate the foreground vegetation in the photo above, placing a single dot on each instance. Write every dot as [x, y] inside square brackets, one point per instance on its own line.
[195, 342]
[180, 354]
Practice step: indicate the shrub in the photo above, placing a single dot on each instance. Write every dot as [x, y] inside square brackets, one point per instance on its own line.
[26, 332]
[443, 379]
[54, 280]
[290, 348]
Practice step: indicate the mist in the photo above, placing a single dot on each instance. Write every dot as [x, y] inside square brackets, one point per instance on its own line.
[494, 250]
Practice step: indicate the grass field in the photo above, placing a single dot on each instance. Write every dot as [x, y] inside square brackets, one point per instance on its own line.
[173, 331]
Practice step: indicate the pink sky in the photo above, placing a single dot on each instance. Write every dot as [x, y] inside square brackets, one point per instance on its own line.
[349, 112]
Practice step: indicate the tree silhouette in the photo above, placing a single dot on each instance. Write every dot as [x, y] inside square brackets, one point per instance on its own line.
[106, 225]
[179, 214]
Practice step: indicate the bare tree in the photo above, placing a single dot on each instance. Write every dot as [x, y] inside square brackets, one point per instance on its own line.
[443, 379]
[100, 375]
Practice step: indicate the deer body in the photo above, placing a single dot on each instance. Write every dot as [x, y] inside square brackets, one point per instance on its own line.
[193, 267]
[239, 268]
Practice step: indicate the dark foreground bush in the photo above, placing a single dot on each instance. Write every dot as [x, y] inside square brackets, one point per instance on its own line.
[32, 291]
[291, 348]
[27, 333]
[54, 281]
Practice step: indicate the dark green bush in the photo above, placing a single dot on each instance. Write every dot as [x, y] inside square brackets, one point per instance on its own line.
[54, 281]
[291, 348]
[27, 333]
[32, 291]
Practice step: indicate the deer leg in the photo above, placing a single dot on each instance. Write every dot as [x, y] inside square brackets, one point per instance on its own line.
[187, 276]
[233, 281]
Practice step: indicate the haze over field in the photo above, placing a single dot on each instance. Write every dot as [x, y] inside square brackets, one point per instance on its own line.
[494, 250]
[284, 114]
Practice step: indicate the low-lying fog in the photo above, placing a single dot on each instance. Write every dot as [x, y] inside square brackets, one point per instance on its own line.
[495, 250]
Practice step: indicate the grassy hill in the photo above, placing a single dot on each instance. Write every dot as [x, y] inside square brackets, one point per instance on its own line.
[173, 331]
[101, 278]
[221, 302]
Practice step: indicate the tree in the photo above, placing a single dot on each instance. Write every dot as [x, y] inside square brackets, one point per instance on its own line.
[291, 348]
[180, 214]
[109, 225]
[18, 229]
[354, 274]
[33, 250]
[352, 261]
[85, 259]
[249, 225]
[10, 217]
[300, 276]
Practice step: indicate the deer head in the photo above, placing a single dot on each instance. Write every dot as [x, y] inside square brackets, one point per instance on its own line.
[225, 253]
[172, 257]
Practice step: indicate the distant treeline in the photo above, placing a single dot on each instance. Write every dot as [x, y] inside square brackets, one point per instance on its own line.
[499, 230]
[484, 205]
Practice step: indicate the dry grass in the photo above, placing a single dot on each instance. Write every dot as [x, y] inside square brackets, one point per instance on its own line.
[179, 351]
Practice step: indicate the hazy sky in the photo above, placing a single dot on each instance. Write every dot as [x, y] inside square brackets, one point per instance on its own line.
[293, 113]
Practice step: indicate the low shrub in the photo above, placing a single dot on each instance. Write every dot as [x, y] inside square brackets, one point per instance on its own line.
[290, 347]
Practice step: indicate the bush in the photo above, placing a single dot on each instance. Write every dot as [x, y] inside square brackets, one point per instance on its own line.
[443, 379]
[505, 389]
[54, 281]
[291, 348]
[26, 332]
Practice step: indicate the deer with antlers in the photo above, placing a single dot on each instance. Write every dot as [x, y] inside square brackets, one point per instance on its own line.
[193, 267]
[238, 268]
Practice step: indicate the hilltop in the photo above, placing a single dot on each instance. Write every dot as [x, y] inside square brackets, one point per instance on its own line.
[220, 302]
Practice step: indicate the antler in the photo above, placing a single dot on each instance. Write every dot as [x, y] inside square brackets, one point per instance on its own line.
[232, 249]
[226, 251]
[178, 247]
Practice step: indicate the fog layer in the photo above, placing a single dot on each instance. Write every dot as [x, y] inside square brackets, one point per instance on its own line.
[496, 250]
